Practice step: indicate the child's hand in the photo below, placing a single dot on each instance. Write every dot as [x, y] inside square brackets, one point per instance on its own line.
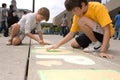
[52, 47]
[106, 55]
[41, 42]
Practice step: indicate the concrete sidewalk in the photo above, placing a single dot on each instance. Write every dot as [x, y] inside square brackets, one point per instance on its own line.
[13, 60]
[22, 63]
[39, 70]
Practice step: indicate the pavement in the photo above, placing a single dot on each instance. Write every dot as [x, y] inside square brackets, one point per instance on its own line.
[30, 61]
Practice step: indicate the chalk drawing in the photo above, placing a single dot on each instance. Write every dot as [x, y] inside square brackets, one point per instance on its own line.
[69, 58]
[79, 75]
[43, 50]
[49, 63]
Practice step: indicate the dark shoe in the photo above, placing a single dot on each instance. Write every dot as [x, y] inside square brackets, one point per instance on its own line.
[114, 38]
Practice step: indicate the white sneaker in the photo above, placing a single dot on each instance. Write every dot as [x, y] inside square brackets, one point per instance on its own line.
[94, 46]
[9, 42]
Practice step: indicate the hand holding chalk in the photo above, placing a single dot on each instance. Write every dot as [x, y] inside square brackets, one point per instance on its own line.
[52, 47]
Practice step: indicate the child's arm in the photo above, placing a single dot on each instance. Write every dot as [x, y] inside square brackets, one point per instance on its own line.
[34, 38]
[105, 43]
[67, 38]
[41, 37]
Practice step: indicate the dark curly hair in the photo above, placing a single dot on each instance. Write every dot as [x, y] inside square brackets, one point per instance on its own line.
[70, 4]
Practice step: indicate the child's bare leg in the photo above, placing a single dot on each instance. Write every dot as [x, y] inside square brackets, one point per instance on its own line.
[87, 26]
[74, 44]
[14, 31]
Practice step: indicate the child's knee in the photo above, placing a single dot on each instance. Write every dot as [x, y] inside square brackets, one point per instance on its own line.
[74, 44]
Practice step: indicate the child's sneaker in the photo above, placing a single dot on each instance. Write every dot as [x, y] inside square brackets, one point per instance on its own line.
[96, 46]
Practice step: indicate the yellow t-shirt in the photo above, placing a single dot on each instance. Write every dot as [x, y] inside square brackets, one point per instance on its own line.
[96, 12]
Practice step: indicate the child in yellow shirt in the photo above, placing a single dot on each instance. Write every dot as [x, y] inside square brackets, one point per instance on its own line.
[93, 20]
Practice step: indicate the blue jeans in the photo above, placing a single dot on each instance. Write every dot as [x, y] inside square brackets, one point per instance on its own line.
[4, 27]
[117, 32]
[64, 30]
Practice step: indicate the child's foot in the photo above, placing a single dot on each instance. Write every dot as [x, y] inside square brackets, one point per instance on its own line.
[9, 42]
